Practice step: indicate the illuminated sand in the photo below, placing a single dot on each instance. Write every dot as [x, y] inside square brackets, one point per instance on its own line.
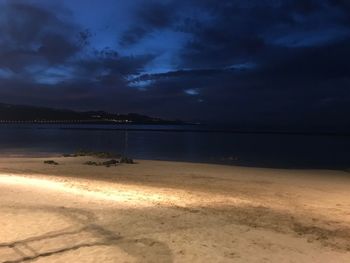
[171, 212]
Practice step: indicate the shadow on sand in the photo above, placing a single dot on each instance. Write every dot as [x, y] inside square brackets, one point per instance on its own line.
[84, 222]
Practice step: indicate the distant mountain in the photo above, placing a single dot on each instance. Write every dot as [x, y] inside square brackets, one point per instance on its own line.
[21, 113]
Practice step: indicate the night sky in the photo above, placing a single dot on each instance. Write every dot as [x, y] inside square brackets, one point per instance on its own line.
[243, 62]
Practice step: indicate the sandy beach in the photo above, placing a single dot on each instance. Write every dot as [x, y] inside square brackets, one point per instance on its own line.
[157, 211]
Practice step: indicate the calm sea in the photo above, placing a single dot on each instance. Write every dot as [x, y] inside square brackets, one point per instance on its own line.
[180, 143]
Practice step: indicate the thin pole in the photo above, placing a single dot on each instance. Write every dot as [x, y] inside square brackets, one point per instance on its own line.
[126, 142]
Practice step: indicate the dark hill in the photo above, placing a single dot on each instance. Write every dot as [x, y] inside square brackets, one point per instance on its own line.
[22, 113]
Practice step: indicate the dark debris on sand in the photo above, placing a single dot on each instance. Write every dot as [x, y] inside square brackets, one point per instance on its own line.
[82, 153]
[111, 162]
[126, 160]
[117, 158]
[51, 162]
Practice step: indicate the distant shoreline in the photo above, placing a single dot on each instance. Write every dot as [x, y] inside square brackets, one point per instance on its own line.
[126, 126]
[96, 122]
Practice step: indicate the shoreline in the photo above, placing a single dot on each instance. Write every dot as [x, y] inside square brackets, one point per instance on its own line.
[157, 211]
[126, 127]
[225, 162]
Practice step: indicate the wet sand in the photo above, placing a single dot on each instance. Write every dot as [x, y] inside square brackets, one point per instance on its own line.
[170, 212]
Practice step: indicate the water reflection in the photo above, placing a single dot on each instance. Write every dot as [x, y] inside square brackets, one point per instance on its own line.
[150, 142]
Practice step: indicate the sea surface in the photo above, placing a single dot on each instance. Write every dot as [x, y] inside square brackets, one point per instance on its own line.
[180, 143]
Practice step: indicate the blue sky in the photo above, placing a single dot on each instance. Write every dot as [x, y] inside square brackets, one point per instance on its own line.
[242, 62]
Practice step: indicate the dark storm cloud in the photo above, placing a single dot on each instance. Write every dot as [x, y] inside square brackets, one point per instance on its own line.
[149, 16]
[342, 4]
[266, 62]
[30, 36]
[300, 49]
[45, 60]
[242, 31]
[320, 63]
[344, 7]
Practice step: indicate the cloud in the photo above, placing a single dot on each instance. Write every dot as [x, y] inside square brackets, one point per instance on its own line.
[148, 17]
[46, 60]
[265, 62]
[33, 36]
